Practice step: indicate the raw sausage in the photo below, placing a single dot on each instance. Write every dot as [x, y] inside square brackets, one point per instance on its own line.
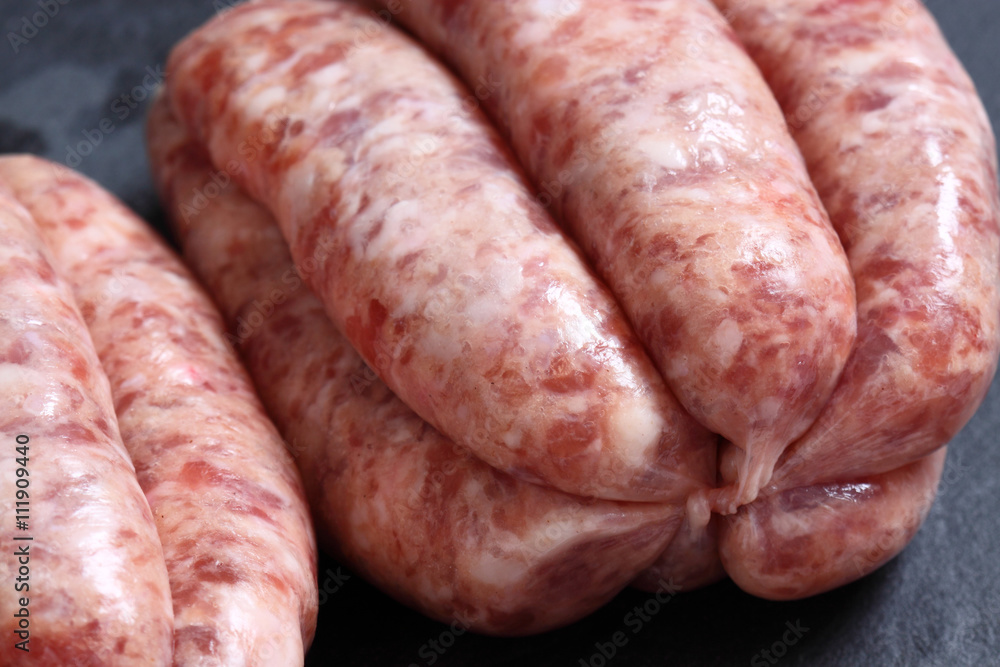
[225, 494]
[903, 156]
[809, 539]
[407, 216]
[414, 512]
[902, 153]
[91, 580]
[661, 148]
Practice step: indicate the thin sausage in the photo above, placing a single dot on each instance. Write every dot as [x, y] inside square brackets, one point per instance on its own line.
[415, 513]
[226, 496]
[90, 584]
[410, 220]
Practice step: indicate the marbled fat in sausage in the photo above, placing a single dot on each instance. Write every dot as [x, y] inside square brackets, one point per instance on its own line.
[414, 512]
[408, 217]
[809, 539]
[226, 496]
[903, 156]
[658, 143]
[96, 587]
[902, 153]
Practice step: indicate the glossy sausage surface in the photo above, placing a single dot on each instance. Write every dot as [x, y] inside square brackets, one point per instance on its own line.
[902, 154]
[654, 138]
[90, 584]
[415, 513]
[225, 495]
[410, 220]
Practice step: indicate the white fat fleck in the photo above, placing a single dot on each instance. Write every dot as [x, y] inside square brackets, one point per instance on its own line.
[500, 573]
[791, 523]
[703, 195]
[14, 377]
[263, 101]
[401, 233]
[256, 61]
[664, 152]
[136, 382]
[557, 7]
[391, 136]
[678, 366]
[785, 186]
[360, 520]
[297, 185]
[382, 515]
[854, 63]
[767, 409]
[103, 574]
[502, 283]
[874, 122]
[352, 102]
[512, 438]
[328, 76]
[713, 154]
[440, 346]
[726, 341]
[180, 375]
[506, 278]
[635, 429]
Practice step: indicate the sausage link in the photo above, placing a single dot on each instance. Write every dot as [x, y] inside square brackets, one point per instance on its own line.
[93, 575]
[806, 540]
[659, 144]
[901, 152]
[408, 217]
[690, 561]
[903, 156]
[226, 496]
[412, 511]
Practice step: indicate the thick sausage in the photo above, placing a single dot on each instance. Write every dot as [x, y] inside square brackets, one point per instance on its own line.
[903, 156]
[412, 511]
[902, 153]
[409, 219]
[660, 146]
[225, 494]
[90, 584]
[809, 539]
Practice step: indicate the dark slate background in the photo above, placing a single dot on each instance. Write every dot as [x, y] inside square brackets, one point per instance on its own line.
[936, 604]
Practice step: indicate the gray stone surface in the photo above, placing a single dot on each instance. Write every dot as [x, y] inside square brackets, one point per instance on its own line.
[936, 604]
